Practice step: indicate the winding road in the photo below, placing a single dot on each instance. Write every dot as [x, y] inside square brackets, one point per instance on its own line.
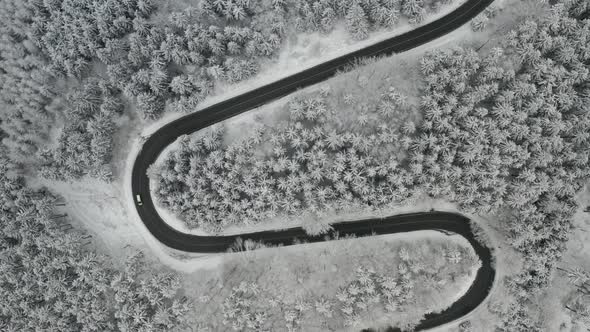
[188, 124]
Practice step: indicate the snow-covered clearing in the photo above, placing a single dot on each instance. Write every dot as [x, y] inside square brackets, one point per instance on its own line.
[285, 274]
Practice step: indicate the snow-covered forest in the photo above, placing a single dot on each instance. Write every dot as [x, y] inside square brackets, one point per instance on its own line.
[52, 280]
[495, 134]
[69, 70]
[311, 166]
[503, 133]
[100, 54]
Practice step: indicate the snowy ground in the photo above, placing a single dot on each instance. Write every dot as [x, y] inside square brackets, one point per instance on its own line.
[577, 254]
[285, 274]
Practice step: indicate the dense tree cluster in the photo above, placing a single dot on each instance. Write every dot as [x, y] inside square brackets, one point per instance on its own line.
[178, 61]
[360, 16]
[514, 138]
[238, 310]
[510, 140]
[84, 144]
[50, 281]
[312, 167]
[181, 57]
[25, 84]
[72, 33]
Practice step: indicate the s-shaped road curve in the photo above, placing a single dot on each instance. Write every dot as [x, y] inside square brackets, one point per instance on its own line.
[188, 124]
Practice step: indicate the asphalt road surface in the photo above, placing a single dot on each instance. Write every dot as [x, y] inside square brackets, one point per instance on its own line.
[455, 223]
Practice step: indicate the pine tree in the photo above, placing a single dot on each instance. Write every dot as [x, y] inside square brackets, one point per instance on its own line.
[357, 23]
